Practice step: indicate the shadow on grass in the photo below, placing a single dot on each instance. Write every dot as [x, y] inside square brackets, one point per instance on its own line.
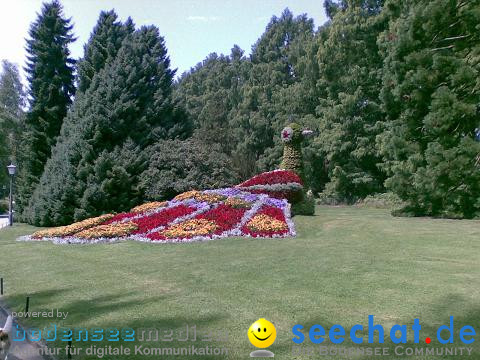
[452, 305]
[84, 311]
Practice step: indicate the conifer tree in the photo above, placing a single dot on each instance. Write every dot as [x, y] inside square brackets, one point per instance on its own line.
[431, 96]
[51, 87]
[349, 110]
[102, 47]
[127, 107]
[12, 101]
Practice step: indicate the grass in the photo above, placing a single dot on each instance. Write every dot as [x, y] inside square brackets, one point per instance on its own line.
[345, 264]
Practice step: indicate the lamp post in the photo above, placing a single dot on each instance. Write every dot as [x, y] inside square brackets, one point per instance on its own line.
[11, 171]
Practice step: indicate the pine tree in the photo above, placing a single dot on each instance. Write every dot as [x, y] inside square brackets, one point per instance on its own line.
[349, 111]
[102, 47]
[12, 96]
[12, 101]
[127, 107]
[430, 93]
[51, 87]
[261, 115]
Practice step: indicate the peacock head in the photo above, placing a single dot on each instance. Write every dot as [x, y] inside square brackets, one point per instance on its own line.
[293, 133]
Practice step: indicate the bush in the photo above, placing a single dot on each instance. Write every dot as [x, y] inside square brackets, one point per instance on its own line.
[3, 206]
[178, 166]
[387, 200]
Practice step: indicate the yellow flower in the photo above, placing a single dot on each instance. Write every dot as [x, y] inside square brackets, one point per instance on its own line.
[264, 222]
[186, 195]
[73, 228]
[110, 230]
[237, 203]
[149, 206]
[209, 197]
[194, 227]
[200, 196]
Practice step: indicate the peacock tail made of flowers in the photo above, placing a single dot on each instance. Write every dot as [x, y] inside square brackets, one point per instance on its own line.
[259, 207]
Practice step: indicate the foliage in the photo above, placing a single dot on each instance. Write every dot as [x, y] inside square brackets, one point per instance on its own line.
[97, 163]
[177, 166]
[12, 101]
[389, 89]
[306, 206]
[386, 200]
[240, 98]
[430, 94]
[349, 110]
[102, 47]
[51, 86]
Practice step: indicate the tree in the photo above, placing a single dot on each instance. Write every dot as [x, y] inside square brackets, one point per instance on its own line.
[51, 87]
[349, 111]
[430, 94]
[372, 7]
[178, 166]
[272, 70]
[95, 166]
[12, 101]
[105, 41]
[12, 96]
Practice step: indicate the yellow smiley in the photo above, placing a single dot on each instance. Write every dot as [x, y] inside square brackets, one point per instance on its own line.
[262, 333]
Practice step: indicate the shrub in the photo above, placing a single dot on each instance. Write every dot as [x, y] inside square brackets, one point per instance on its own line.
[387, 200]
[178, 166]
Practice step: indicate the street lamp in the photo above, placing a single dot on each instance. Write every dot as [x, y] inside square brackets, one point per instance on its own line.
[11, 171]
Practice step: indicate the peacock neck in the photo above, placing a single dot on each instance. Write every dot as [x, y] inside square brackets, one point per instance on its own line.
[292, 158]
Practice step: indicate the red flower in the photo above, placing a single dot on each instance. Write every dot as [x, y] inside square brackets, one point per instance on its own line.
[120, 217]
[161, 218]
[224, 216]
[273, 212]
[273, 177]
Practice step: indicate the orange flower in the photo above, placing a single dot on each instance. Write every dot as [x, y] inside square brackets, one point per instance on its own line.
[110, 230]
[237, 203]
[209, 197]
[194, 227]
[73, 228]
[200, 196]
[149, 206]
[264, 222]
[186, 195]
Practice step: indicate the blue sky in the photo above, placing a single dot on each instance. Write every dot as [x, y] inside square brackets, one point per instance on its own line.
[192, 28]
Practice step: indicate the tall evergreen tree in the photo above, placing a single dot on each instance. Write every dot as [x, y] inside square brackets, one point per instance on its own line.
[12, 96]
[51, 87]
[261, 116]
[105, 41]
[12, 102]
[128, 106]
[431, 96]
[349, 110]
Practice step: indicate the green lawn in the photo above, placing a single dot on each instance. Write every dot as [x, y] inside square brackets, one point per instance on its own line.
[345, 264]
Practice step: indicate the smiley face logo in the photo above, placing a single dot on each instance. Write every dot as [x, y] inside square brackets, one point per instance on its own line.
[262, 333]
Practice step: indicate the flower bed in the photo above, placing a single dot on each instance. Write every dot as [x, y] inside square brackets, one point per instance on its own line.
[161, 218]
[268, 222]
[194, 215]
[280, 184]
[149, 206]
[73, 228]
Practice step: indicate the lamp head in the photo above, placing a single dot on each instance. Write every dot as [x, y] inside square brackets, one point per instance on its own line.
[11, 169]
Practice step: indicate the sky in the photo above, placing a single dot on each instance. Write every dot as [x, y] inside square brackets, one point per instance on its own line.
[192, 28]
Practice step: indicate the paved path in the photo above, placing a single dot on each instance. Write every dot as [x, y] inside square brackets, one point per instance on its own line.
[21, 347]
